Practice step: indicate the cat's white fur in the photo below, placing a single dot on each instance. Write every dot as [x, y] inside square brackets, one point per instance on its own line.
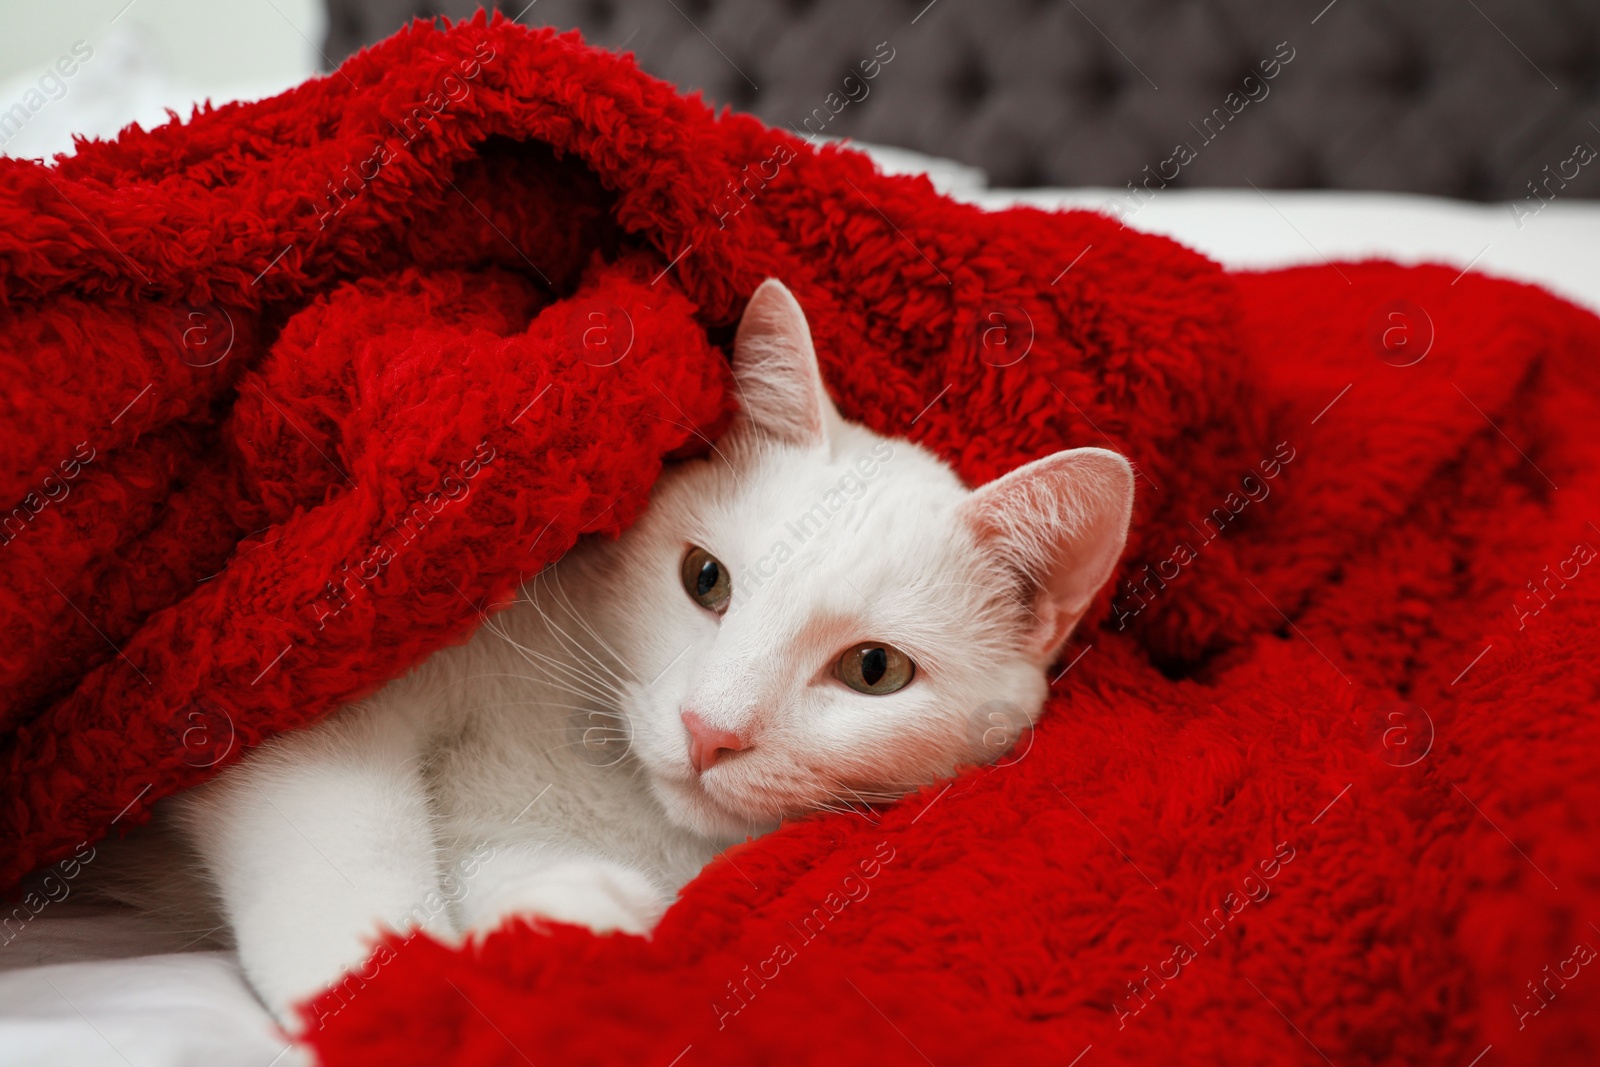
[542, 769]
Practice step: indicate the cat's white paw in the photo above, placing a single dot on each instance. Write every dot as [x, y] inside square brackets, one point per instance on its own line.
[599, 894]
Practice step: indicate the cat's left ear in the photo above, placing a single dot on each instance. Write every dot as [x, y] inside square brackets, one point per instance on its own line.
[1061, 522]
[781, 396]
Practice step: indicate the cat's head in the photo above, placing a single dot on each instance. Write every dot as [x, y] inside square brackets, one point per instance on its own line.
[815, 614]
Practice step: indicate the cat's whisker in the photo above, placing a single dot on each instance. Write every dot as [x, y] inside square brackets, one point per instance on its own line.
[596, 686]
[570, 680]
[539, 703]
[554, 579]
[572, 612]
[572, 644]
[544, 680]
[838, 804]
[867, 799]
[582, 694]
[570, 728]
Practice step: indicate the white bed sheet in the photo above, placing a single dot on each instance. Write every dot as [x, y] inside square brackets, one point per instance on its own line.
[90, 988]
[85, 986]
[1557, 246]
[1248, 230]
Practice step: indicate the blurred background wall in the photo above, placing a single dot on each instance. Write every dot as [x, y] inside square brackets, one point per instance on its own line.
[1475, 99]
[1462, 98]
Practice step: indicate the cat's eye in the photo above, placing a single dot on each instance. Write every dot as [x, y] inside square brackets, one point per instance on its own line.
[875, 668]
[706, 580]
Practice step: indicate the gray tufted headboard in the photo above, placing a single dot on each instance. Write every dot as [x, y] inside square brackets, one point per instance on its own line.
[1466, 98]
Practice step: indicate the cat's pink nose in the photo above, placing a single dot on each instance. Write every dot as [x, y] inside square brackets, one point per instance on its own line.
[708, 744]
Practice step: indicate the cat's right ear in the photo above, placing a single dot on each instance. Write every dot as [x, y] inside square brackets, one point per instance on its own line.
[781, 395]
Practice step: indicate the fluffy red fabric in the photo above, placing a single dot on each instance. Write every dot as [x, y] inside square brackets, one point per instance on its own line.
[295, 388]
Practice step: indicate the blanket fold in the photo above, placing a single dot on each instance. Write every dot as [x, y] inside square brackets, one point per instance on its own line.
[300, 389]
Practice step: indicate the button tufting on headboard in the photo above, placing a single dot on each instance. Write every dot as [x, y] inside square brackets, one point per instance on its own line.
[1434, 96]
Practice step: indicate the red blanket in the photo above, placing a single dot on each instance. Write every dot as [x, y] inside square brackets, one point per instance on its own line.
[294, 388]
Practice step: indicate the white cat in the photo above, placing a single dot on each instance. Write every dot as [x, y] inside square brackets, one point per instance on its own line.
[813, 615]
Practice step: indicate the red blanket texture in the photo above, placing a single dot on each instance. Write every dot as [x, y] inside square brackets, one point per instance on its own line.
[294, 388]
